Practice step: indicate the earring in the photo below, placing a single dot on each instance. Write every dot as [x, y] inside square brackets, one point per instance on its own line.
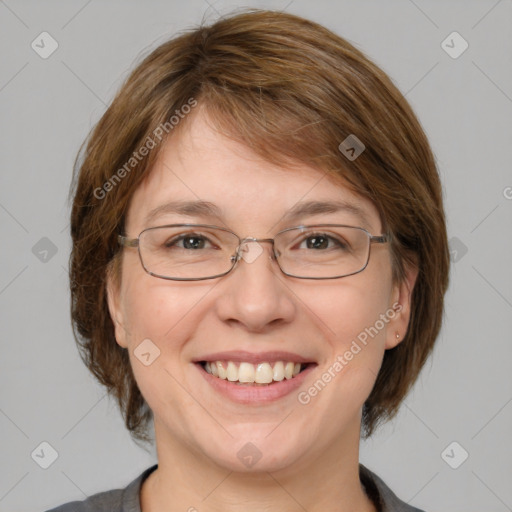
[397, 336]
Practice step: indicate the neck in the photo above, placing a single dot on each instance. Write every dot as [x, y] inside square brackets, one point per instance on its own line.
[187, 481]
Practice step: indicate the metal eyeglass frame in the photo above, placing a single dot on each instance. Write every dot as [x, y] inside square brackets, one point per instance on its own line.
[125, 241]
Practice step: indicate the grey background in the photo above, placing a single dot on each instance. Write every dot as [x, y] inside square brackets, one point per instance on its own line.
[48, 106]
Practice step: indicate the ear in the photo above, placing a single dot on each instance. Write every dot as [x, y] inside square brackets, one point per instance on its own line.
[401, 306]
[113, 299]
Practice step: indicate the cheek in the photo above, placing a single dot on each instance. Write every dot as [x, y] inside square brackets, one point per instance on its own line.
[158, 329]
[349, 312]
[161, 317]
[354, 314]
[157, 309]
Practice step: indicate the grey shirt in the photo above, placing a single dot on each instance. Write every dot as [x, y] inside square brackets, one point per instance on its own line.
[128, 499]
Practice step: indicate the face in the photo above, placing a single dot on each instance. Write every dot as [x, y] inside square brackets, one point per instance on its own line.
[336, 329]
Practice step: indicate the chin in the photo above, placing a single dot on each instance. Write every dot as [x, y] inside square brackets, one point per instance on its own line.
[257, 451]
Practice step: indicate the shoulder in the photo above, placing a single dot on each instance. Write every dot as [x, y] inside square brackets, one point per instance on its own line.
[383, 497]
[116, 500]
[104, 501]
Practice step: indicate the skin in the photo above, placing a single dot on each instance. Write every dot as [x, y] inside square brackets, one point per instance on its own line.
[309, 452]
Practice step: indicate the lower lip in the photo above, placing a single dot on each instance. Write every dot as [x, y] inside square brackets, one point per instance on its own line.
[257, 394]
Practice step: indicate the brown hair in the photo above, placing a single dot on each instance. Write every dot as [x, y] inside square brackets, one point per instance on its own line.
[292, 91]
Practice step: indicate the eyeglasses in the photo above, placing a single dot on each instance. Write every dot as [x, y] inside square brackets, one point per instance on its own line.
[193, 252]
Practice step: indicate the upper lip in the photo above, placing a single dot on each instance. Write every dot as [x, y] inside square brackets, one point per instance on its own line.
[253, 357]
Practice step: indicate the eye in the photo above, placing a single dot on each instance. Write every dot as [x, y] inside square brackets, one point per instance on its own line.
[319, 241]
[188, 241]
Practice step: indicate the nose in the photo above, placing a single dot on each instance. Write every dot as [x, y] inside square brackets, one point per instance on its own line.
[254, 293]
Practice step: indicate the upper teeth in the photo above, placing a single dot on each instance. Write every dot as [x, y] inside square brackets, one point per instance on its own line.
[261, 373]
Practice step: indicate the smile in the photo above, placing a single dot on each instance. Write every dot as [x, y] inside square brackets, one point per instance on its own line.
[253, 379]
[245, 373]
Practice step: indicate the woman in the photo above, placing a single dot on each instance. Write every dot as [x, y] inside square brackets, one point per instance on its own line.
[259, 263]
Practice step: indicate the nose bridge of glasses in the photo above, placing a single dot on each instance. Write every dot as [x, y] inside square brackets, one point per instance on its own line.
[250, 252]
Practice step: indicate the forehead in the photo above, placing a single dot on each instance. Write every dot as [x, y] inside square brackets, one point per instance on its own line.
[202, 174]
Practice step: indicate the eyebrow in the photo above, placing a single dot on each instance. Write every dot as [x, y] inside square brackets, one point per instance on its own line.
[311, 208]
[188, 208]
[303, 209]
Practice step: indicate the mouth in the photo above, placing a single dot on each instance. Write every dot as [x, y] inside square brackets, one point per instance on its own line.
[254, 379]
[244, 373]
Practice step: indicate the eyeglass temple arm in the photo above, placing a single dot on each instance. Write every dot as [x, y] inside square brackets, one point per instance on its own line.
[380, 239]
[127, 242]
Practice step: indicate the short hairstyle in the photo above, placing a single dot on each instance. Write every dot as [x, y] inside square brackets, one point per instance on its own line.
[292, 91]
